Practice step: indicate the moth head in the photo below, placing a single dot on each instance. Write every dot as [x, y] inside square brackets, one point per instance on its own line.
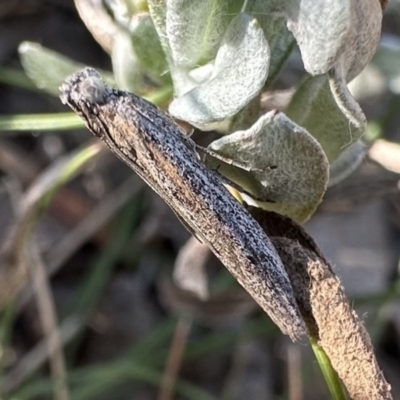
[85, 91]
[85, 86]
[92, 89]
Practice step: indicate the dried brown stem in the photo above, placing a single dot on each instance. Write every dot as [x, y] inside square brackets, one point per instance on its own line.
[175, 357]
[98, 22]
[48, 318]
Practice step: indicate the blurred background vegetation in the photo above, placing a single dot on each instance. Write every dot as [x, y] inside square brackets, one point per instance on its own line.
[109, 245]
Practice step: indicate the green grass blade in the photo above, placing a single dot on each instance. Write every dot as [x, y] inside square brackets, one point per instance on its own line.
[330, 375]
[60, 121]
[10, 76]
[40, 122]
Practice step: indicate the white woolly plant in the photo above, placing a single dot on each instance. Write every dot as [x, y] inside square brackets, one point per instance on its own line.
[222, 55]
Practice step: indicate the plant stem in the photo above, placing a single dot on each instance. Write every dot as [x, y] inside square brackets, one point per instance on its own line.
[330, 375]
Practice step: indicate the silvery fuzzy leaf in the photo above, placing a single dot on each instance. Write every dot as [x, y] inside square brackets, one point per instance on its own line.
[126, 66]
[201, 74]
[344, 32]
[324, 106]
[240, 71]
[362, 38]
[185, 80]
[268, 14]
[48, 69]
[281, 43]
[320, 28]
[246, 117]
[347, 162]
[158, 13]
[195, 28]
[148, 48]
[296, 186]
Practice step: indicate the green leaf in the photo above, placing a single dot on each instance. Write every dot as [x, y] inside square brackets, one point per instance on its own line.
[320, 28]
[195, 29]
[148, 48]
[344, 32]
[270, 15]
[324, 106]
[246, 117]
[40, 122]
[266, 12]
[10, 76]
[125, 63]
[296, 186]
[240, 71]
[158, 13]
[48, 69]
[62, 121]
[362, 38]
[282, 44]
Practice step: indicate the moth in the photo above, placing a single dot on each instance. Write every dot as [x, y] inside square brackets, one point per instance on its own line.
[159, 151]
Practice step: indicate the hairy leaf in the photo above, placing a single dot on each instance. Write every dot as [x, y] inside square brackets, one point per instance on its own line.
[320, 28]
[148, 48]
[195, 29]
[125, 63]
[240, 71]
[324, 106]
[282, 44]
[158, 13]
[48, 69]
[362, 38]
[344, 32]
[296, 186]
